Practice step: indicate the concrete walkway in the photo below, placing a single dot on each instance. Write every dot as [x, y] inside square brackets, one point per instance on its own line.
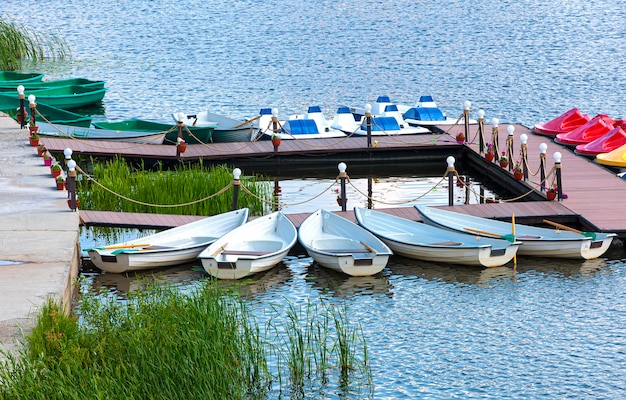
[39, 250]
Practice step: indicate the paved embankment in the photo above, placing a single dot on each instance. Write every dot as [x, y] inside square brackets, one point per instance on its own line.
[39, 253]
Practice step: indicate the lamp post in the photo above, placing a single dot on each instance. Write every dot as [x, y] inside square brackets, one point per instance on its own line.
[543, 148]
[71, 183]
[180, 142]
[368, 124]
[524, 139]
[450, 160]
[509, 140]
[495, 140]
[32, 104]
[275, 135]
[466, 111]
[557, 168]
[236, 183]
[20, 96]
[342, 178]
[481, 132]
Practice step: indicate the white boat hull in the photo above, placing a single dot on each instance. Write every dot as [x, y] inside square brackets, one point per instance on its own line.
[226, 129]
[77, 132]
[341, 245]
[170, 247]
[251, 248]
[417, 240]
[541, 242]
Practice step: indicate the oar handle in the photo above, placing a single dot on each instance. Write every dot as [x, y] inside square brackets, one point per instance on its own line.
[125, 246]
[246, 122]
[220, 249]
[483, 232]
[560, 226]
[368, 247]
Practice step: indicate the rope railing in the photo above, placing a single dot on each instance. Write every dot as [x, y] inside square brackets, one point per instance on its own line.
[341, 178]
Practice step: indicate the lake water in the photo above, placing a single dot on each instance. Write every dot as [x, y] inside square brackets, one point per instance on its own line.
[550, 329]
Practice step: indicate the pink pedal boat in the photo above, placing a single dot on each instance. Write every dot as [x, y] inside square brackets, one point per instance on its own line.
[566, 122]
[614, 139]
[599, 126]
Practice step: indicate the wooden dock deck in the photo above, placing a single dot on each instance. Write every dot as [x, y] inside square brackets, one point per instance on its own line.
[595, 195]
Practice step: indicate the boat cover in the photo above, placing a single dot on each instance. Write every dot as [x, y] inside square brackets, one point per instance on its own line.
[300, 127]
[424, 114]
[383, 124]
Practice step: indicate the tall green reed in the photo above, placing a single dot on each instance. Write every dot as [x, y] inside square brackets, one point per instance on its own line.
[163, 343]
[20, 42]
[176, 191]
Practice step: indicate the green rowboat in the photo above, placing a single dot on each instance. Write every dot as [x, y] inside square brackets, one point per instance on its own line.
[66, 97]
[9, 86]
[19, 77]
[54, 115]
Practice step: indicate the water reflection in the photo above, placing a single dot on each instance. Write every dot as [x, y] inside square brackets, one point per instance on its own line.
[345, 286]
[122, 284]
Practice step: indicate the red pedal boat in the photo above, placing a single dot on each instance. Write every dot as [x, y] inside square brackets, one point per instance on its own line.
[605, 144]
[599, 126]
[566, 122]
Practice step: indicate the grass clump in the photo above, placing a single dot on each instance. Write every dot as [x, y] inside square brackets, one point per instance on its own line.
[160, 344]
[22, 43]
[200, 343]
[181, 190]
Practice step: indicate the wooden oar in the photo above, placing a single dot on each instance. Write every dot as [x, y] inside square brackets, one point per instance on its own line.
[121, 246]
[246, 122]
[368, 247]
[219, 250]
[592, 235]
[510, 238]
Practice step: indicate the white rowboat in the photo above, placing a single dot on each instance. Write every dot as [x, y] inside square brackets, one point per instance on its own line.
[170, 247]
[425, 242]
[341, 245]
[536, 241]
[253, 247]
[77, 132]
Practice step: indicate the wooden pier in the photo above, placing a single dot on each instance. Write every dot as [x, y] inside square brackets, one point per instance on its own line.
[595, 195]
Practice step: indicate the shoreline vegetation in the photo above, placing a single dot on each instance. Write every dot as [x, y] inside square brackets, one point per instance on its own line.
[163, 343]
[21, 43]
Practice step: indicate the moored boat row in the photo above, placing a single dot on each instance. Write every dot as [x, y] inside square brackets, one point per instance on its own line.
[230, 247]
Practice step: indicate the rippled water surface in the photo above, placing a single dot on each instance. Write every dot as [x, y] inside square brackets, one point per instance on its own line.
[550, 329]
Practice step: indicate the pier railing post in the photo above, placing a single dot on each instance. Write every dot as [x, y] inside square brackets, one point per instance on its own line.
[481, 132]
[236, 176]
[466, 111]
[71, 184]
[368, 124]
[275, 131]
[450, 160]
[509, 145]
[179, 140]
[543, 148]
[495, 140]
[20, 96]
[557, 170]
[342, 179]
[32, 104]
[524, 139]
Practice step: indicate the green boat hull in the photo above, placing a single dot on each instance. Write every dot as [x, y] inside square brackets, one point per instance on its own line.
[19, 77]
[10, 86]
[66, 97]
[50, 114]
[198, 134]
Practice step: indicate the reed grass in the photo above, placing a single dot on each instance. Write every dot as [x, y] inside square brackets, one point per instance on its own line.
[20, 43]
[163, 343]
[124, 188]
